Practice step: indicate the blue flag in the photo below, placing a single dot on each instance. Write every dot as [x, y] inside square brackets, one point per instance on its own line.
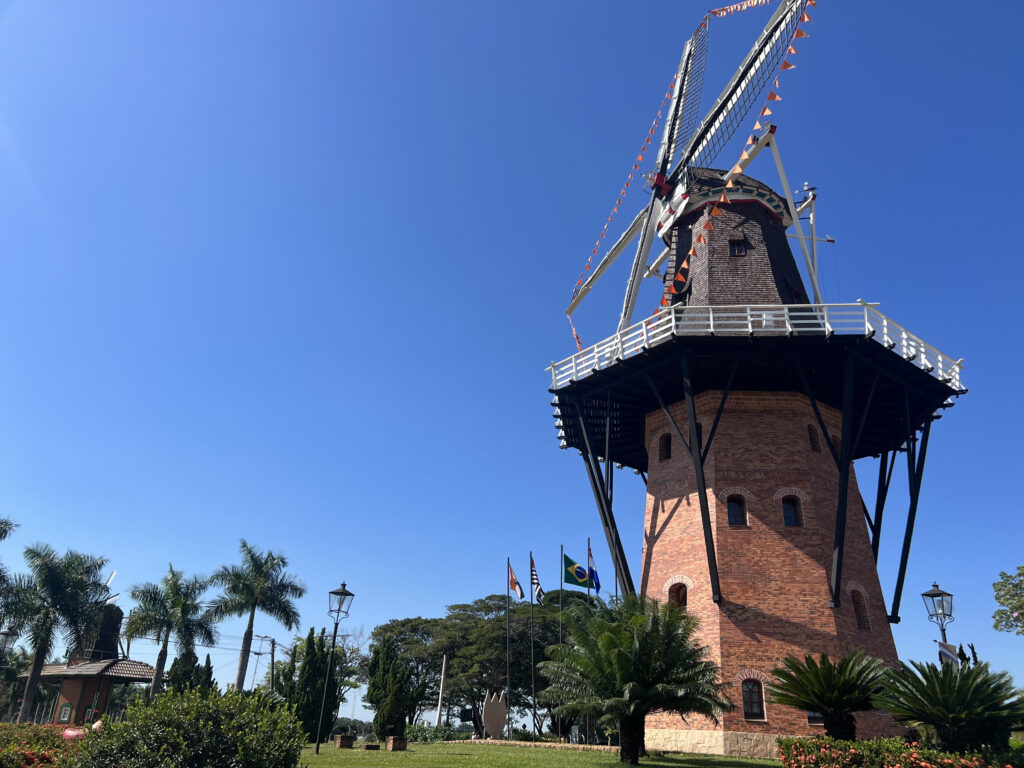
[592, 572]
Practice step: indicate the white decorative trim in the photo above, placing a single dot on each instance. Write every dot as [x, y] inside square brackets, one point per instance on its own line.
[752, 674]
[734, 490]
[677, 579]
[790, 490]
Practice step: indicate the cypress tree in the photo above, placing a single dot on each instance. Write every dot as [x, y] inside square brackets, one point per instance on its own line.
[388, 690]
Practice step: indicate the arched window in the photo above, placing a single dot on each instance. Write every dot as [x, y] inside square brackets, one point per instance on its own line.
[753, 700]
[737, 510]
[792, 515]
[665, 447]
[860, 610]
[677, 595]
[812, 436]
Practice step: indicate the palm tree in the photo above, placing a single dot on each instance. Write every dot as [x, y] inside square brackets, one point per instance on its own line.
[629, 659]
[834, 690]
[969, 707]
[172, 607]
[66, 594]
[260, 583]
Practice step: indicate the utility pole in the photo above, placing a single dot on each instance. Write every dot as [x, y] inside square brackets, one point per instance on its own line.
[273, 647]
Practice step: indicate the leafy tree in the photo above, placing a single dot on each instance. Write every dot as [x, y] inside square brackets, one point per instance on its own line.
[67, 591]
[186, 674]
[417, 644]
[835, 690]
[969, 707]
[287, 672]
[260, 583]
[1009, 593]
[172, 607]
[389, 688]
[628, 659]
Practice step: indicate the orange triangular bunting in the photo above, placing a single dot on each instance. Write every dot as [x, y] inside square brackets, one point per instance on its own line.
[758, 126]
[736, 168]
[744, 155]
[776, 83]
[680, 277]
[700, 239]
[664, 301]
[588, 265]
[729, 184]
[672, 289]
[715, 211]
[750, 141]
[800, 33]
[765, 112]
[686, 263]
[692, 251]
[708, 226]
[773, 96]
[791, 51]
[806, 18]
[787, 65]
[723, 198]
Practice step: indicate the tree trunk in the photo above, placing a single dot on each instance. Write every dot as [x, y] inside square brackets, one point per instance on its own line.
[631, 738]
[158, 672]
[28, 698]
[243, 658]
[839, 725]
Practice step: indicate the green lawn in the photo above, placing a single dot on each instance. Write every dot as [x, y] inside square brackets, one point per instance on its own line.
[499, 756]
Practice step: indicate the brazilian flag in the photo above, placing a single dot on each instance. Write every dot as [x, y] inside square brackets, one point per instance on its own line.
[576, 574]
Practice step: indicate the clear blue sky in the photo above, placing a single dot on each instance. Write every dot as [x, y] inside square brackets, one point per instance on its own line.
[293, 272]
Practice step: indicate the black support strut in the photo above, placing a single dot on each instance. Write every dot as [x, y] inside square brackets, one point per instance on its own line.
[915, 473]
[886, 462]
[600, 488]
[845, 451]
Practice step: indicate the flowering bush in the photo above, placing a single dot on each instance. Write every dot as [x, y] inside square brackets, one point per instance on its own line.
[29, 745]
[877, 753]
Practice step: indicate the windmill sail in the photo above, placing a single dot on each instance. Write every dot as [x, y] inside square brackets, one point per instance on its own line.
[735, 101]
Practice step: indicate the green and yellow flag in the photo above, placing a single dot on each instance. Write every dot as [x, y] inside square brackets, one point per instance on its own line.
[576, 574]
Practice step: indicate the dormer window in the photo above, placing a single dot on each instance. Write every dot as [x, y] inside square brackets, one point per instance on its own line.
[737, 246]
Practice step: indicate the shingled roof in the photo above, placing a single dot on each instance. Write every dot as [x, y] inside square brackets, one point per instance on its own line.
[124, 670]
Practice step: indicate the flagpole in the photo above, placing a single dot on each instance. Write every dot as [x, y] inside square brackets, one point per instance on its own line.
[533, 666]
[508, 648]
[561, 589]
[586, 727]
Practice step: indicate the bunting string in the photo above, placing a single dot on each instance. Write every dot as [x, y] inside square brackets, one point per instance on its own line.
[683, 272]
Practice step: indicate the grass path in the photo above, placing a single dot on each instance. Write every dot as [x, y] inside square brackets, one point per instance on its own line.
[455, 754]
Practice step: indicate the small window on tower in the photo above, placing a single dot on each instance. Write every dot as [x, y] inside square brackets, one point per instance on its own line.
[791, 512]
[753, 700]
[665, 447]
[737, 246]
[677, 595]
[860, 610]
[812, 436]
[737, 510]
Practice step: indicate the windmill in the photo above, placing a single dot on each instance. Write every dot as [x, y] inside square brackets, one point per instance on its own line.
[742, 403]
[699, 145]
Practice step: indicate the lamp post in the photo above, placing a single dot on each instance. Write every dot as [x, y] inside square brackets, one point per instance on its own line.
[940, 607]
[7, 638]
[340, 600]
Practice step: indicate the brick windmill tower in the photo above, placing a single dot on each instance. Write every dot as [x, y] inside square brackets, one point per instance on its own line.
[743, 403]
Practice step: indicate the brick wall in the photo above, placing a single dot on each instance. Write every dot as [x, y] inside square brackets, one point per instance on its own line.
[774, 578]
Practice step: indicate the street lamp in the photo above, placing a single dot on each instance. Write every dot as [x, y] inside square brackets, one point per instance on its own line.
[7, 638]
[940, 607]
[340, 601]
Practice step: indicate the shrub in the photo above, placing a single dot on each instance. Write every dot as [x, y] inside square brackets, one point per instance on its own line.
[970, 708]
[29, 744]
[427, 734]
[876, 753]
[190, 730]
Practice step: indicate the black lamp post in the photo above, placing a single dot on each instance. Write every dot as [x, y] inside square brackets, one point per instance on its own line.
[940, 607]
[340, 600]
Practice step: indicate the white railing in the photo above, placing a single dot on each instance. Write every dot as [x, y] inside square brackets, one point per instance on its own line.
[861, 319]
